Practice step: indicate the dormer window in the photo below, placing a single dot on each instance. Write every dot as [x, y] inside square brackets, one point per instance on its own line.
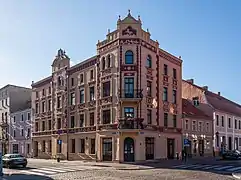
[195, 101]
[103, 63]
[148, 62]
[129, 57]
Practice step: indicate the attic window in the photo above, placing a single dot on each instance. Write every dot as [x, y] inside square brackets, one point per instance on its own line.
[195, 101]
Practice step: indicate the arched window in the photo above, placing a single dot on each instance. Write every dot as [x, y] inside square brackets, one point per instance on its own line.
[59, 81]
[148, 61]
[129, 57]
[108, 61]
[103, 63]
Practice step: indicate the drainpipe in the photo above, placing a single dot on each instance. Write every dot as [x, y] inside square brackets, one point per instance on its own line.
[67, 117]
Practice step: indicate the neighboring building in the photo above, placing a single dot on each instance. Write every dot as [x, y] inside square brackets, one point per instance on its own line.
[226, 115]
[122, 105]
[197, 128]
[12, 99]
[20, 129]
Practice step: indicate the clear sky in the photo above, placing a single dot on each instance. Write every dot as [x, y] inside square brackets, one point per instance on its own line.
[207, 34]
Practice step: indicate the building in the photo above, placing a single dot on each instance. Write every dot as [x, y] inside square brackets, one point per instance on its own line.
[124, 104]
[226, 115]
[197, 129]
[12, 99]
[20, 129]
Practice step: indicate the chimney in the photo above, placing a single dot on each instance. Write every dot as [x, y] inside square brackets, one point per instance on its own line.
[219, 93]
[205, 88]
[190, 81]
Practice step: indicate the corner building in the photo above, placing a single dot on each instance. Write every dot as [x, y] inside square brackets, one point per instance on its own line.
[124, 104]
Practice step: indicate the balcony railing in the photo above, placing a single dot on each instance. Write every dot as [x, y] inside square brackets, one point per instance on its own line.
[131, 123]
[130, 94]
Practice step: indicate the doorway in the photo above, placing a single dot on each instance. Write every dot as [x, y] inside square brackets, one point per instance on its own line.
[107, 149]
[35, 154]
[129, 150]
[170, 148]
[201, 147]
[230, 143]
[150, 146]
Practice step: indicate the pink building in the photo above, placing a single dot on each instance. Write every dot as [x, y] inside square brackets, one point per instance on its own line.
[122, 105]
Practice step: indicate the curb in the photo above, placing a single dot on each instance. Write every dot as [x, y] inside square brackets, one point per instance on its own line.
[236, 176]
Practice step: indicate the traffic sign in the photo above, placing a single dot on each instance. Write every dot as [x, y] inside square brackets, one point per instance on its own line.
[186, 142]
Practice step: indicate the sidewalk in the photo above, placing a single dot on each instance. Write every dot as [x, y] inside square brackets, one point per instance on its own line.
[236, 175]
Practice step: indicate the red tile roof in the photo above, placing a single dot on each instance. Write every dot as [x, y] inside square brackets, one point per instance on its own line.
[189, 110]
[221, 103]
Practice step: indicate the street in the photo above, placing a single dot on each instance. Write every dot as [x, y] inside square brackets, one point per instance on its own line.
[78, 170]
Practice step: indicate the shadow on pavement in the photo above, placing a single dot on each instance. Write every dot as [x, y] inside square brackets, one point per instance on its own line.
[25, 177]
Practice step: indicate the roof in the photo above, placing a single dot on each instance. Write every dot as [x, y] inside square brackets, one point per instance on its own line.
[189, 110]
[221, 103]
[15, 86]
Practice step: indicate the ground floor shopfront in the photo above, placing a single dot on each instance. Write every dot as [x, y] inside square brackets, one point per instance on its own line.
[119, 146]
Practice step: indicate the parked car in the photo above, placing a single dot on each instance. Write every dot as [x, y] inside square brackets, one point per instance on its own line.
[232, 155]
[14, 160]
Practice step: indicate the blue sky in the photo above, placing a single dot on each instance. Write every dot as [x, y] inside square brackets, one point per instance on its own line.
[207, 34]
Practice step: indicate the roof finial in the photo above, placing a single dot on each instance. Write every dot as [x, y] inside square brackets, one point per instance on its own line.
[119, 17]
[139, 18]
[147, 30]
[108, 31]
[129, 12]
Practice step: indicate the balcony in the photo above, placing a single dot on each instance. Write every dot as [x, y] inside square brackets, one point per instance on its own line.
[131, 123]
[3, 124]
[134, 95]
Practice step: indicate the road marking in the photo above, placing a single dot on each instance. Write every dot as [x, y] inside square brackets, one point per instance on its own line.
[200, 166]
[53, 169]
[31, 172]
[223, 167]
[189, 166]
[42, 171]
[212, 167]
[179, 166]
[66, 169]
[234, 169]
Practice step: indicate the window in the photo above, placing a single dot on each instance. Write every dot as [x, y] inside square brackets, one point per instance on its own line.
[49, 90]
[129, 87]
[235, 123]
[195, 101]
[81, 120]
[14, 118]
[92, 93]
[50, 146]
[239, 125]
[81, 78]
[72, 122]
[174, 121]
[59, 102]
[194, 125]
[148, 61]
[148, 88]
[91, 74]
[186, 124]
[103, 63]
[207, 127]
[222, 121]
[49, 105]
[82, 96]
[49, 124]
[82, 145]
[43, 106]
[59, 123]
[2, 116]
[36, 97]
[199, 126]
[129, 112]
[14, 133]
[92, 119]
[43, 125]
[28, 116]
[36, 127]
[59, 81]
[106, 89]
[28, 148]
[22, 117]
[165, 70]
[165, 119]
[129, 57]
[174, 97]
[92, 147]
[72, 145]
[72, 98]
[72, 81]
[229, 122]
[149, 120]
[106, 116]
[165, 94]
[36, 108]
[174, 73]
[43, 146]
[43, 92]
[22, 132]
[108, 61]
[217, 120]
